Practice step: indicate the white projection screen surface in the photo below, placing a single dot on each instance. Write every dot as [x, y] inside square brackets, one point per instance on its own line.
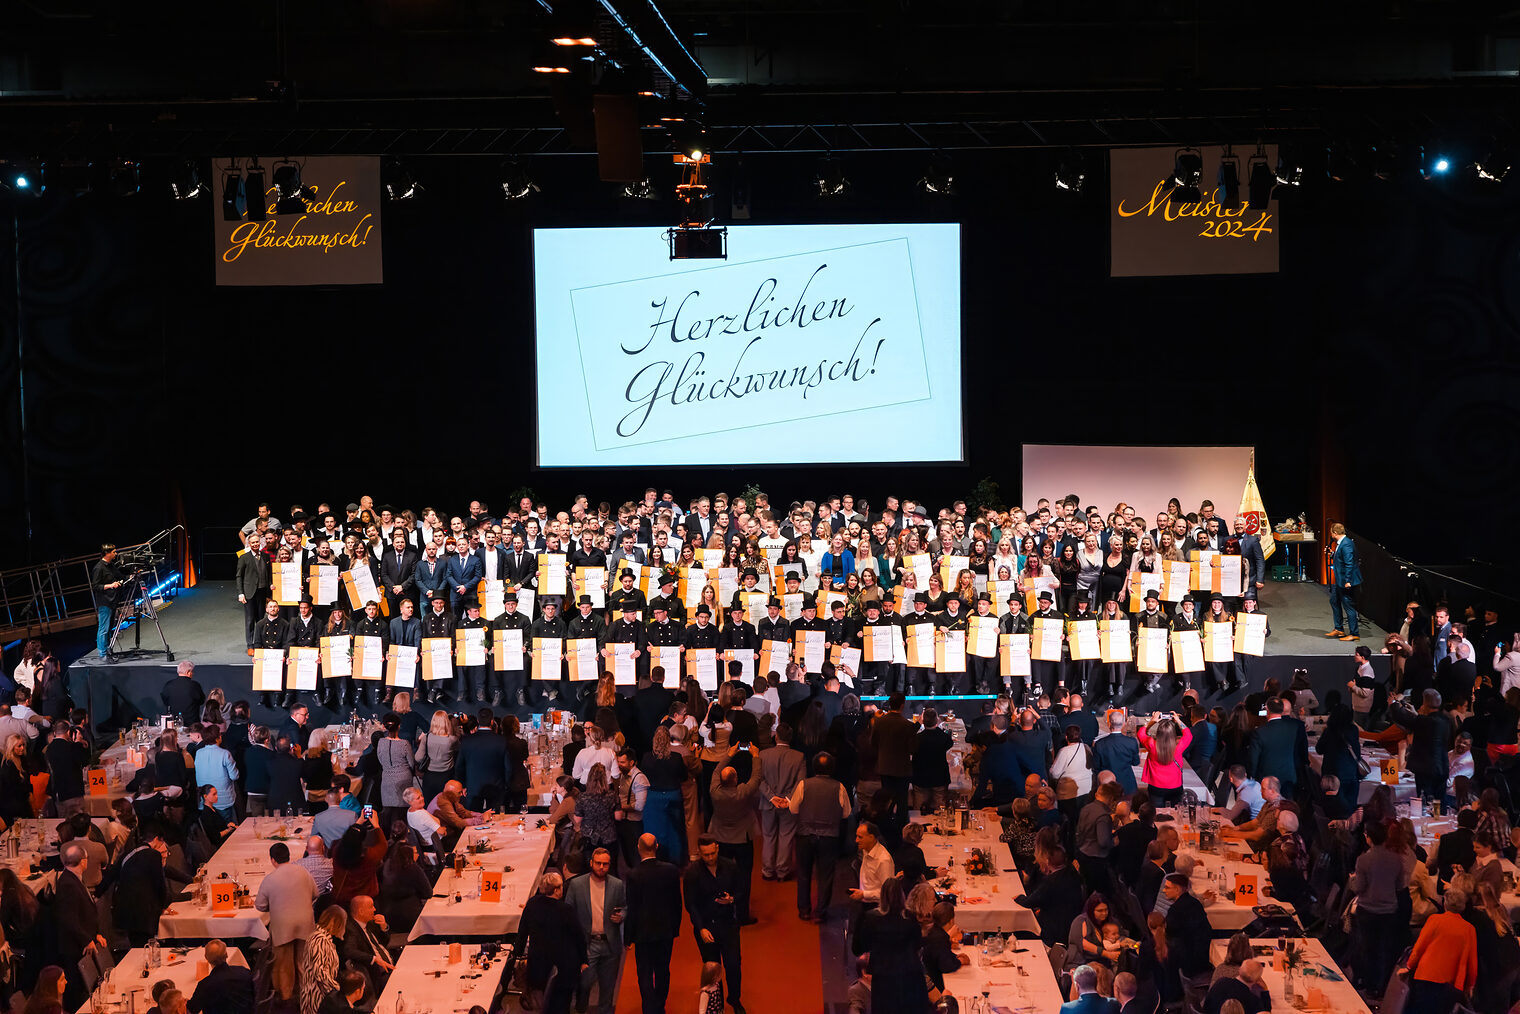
[1144, 477]
[804, 335]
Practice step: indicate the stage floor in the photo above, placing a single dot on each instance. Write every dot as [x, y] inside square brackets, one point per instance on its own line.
[204, 624]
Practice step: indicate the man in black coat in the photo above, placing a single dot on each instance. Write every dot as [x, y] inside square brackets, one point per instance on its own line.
[284, 779]
[1455, 848]
[226, 989]
[1430, 739]
[1187, 933]
[182, 696]
[1031, 745]
[481, 765]
[142, 894]
[549, 933]
[73, 924]
[654, 921]
[710, 886]
[1279, 748]
[1056, 899]
[650, 705]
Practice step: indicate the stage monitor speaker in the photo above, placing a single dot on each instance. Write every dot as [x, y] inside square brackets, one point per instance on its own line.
[619, 151]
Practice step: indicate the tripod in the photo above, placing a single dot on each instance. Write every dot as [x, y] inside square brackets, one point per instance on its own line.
[135, 589]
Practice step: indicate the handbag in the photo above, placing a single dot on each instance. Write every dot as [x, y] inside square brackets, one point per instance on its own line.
[1363, 769]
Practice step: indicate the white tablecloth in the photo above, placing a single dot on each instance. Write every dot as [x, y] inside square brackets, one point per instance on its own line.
[1340, 997]
[244, 857]
[520, 846]
[985, 903]
[424, 991]
[1021, 980]
[128, 977]
[1216, 871]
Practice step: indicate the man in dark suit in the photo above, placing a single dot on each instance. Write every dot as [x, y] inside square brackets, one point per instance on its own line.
[550, 935]
[481, 765]
[462, 571]
[430, 579]
[1455, 848]
[894, 738]
[1348, 580]
[253, 588]
[1279, 748]
[364, 944]
[182, 696]
[397, 568]
[141, 891]
[349, 994]
[1089, 1000]
[711, 887]
[650, 705]
[1430, 739]
[600, 903]
[1456, 673]
[1188, 933]
[520, 567]
[226, 989]
[654, 921]
[1031, 744]
[1244, 987]
[1056, 898]
[1117, 752]
[73, 924]
[1078, 715]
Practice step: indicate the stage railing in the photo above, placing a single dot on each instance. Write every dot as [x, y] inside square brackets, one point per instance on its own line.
[48, 598]
[1389, 581]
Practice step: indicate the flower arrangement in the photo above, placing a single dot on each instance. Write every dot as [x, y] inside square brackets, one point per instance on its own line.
[980, 864]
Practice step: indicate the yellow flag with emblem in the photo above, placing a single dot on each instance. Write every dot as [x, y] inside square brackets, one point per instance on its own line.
[1255, 513]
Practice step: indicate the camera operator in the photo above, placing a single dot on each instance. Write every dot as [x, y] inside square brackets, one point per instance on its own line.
[105, 580]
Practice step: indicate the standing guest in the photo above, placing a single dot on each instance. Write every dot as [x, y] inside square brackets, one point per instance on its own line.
[73, 923]
[226, 989]
[710, 887]
[1444, 961]
[892, 937]
[931, 763]
[1379, 882]
[653, 922]
[320, 961]
[600, 902]
[1118, 753]
[894, 738]
[286, 793]
[734, 823]
[1188, 933]
[287, 894]
[820, 805]
[215, 767]
[1095, 838]
[517, 779]
[437, 750]
[1279, 748]
[1364, 687]
[1348, 580]
[1165, 740]
[348, 995]
[142, 894]
[481, 764]
[549, 934]
[596, 808]
[398, 768]
[182, 696]
[781, 770]
[665, 772]
[356, 861]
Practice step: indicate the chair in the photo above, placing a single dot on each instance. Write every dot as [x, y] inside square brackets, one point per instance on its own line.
[1058, 958]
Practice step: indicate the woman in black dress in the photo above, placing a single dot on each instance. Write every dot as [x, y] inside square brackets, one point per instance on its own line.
[1113, 575]
[893, 938]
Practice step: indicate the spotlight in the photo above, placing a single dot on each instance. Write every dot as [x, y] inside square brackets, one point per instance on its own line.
[234, 196]
[186, 183]
[124, 177]
[830, 177]
[1290, 172]
[1493, 167]
[398, 182]
[290, 196]
[1187, 171]
[258, 193]
[571, 25]
[1228, 179]
[515, 182]
[1260, 183]
[939, 178]
[640, 190]
[20, 178]
[687, 134]
[1441, 166]
[1071, 175]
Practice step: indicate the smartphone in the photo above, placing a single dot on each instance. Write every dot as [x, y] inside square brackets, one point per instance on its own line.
[368, 812]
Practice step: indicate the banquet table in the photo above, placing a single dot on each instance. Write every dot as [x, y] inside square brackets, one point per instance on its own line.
[985, 904]
[1214, 873]
[243, 857]
[427, 984]
[514, 842]
[1018, 980]
[38, 840]
[128, 982]
[1320, 979]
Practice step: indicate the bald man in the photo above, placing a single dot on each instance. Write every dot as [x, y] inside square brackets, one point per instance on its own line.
[654, 921]
[226, 989]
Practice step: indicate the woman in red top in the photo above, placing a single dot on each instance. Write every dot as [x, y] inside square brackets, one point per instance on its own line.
[356, 861]
[1165, 740]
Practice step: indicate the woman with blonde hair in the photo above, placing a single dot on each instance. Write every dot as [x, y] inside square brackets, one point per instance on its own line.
[319, 958]
[965, 590]
[15, 786]
[666, 771]
[1166, 740]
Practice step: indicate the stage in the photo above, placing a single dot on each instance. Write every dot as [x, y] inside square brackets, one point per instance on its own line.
[204, 625]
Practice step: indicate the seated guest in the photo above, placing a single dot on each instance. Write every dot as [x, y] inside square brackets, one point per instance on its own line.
[226, 988]
[320, 960]
[1245, 988]
[364, 945]
[213, 820]
[941, 954]
[316, 862]
[427, 828]
[346, 998]
[448, 806]
[1056, 898]
[1085, 996]
[404, 888]
[1259, 831]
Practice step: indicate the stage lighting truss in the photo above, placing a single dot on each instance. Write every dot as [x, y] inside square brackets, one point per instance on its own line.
[640, 190]
[939, 177]
[257, 190]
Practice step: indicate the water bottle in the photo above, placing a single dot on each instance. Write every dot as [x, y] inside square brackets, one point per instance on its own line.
[400, 1002]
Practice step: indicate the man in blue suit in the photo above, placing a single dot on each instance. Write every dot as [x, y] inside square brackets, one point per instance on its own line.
[462, 573]
[1118, 753]
[1348, 577]
[1251, 552]
[430, 578]
[1089, 1000]
[599, 901]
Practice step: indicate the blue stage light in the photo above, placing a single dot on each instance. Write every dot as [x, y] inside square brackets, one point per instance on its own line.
[1442, 165]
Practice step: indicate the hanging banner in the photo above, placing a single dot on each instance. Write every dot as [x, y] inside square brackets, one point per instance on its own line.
[1159, 228]
[329, 235]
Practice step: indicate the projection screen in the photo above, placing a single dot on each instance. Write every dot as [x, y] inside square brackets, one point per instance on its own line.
[1144, 477]
[805, 335]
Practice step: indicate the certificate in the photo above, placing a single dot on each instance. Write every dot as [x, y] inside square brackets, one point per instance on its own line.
[918, 563]
[303, 668]
[437, 658]
[361, 587]
[999, 592]
[746, 660]
[592, 581]
[1175, 578]
[552, 574]
[950, 651]
[811, 648]
[950, 568]
[920, 645]
[490, 595]
[401, 666]
[667, 656]
[1084, 639]
[1141, 582]
[877, 640]
[982, 639]
[1231, 582]
[525, 598]
[826, 599]
[269, 669]
[1013, 654]
[754, 605]
[772, 659]
[1114, 641]
[470, 643]
[546, 657]
[1251, 633]
[728, 583]
[1150, 649]
[624, 669]
[1187, 651]
[585, 659]
[285, 581]
[1219, 642]
[845, 657]
[323, 584]
[702, 665]
[507, 648]
[336, 652]
[1045, 645]
[689, 586]
[369, 658]
[791, 605]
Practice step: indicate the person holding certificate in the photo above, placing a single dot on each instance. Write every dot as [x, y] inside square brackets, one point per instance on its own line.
[951, 619]
[1045, 672]
[511, 684]
[370, 625]
[1115, 672]
[629, 630]
[551, 670]
[1220, 679]
[1152, 618]
[1014, 621]
[920, 624]
[1185, 620]
[472, 678]
[876, 675]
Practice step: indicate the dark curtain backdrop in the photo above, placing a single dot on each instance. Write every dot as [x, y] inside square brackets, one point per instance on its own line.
[1394, 320]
